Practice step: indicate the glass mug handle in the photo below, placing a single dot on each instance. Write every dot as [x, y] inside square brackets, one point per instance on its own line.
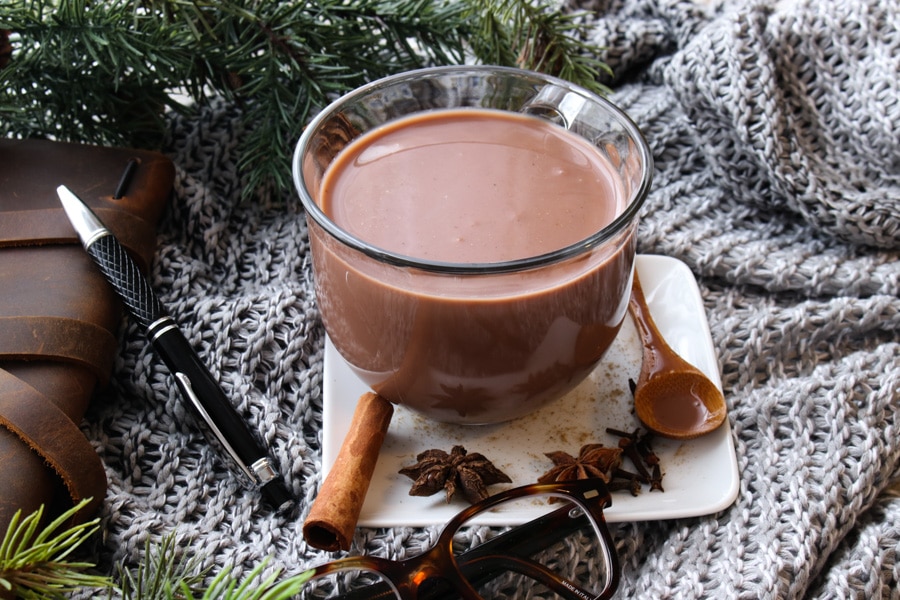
[555, 104]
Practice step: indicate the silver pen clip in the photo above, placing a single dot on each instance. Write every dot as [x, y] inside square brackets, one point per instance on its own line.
[185, 384]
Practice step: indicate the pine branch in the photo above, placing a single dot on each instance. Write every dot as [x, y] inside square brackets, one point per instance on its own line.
[163, 571]
[536, 35]
[166, 574]
[81, 72]
[254, 587]
[34, 562]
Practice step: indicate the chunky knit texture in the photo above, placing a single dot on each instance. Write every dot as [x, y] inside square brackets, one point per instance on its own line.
[776, 134]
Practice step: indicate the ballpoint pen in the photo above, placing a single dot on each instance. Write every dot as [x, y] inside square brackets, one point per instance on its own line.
[194, 380]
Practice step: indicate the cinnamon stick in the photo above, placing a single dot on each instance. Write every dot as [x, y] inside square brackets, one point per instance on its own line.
[333, 516]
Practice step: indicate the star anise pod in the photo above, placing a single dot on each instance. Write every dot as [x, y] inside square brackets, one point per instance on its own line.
[594, 460]
[459, 470]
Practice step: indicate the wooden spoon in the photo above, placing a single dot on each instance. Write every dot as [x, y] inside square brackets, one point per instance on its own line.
[673, 398]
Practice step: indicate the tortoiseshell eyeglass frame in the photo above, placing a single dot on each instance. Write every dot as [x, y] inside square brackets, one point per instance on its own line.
[403, 578]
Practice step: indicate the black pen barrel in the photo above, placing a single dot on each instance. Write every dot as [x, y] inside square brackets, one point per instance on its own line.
[175, 350]
[229, 431]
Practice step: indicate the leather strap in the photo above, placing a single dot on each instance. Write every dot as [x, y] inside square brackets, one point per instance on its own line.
[58, 338]
[38, 422]
[52, 226]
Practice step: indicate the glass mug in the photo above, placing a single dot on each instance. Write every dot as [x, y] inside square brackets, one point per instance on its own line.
[467, 342]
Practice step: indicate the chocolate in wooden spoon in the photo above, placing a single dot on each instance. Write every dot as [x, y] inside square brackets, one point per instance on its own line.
[672, 398]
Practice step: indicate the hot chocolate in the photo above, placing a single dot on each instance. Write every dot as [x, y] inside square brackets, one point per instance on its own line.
[472, 186]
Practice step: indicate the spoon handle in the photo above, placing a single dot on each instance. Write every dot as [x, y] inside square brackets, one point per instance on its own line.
[651, 338]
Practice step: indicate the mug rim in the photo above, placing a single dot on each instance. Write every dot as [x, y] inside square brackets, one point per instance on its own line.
[614, 227]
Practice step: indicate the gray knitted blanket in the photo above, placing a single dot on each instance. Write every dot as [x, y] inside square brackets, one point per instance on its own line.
[776, 134]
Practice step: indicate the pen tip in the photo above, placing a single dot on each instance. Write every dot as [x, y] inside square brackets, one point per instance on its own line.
[66, 195]
[85, 222]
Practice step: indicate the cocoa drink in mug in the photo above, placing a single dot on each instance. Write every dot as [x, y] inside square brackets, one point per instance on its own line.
[473, 235]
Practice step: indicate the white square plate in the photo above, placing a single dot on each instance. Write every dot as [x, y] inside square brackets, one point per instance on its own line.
[700, 476]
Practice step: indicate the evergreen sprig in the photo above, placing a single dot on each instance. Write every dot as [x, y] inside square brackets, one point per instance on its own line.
[254, 587]
[166, 574]
[164, 571]
[107, 72]
[536, 35]
[35, 562]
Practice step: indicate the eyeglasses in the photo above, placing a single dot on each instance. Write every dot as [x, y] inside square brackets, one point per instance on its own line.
[566, 553]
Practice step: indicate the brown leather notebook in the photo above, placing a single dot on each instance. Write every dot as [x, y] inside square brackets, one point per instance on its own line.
[58, 315]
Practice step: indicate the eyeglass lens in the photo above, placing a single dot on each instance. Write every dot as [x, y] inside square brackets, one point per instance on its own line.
[560, 555]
